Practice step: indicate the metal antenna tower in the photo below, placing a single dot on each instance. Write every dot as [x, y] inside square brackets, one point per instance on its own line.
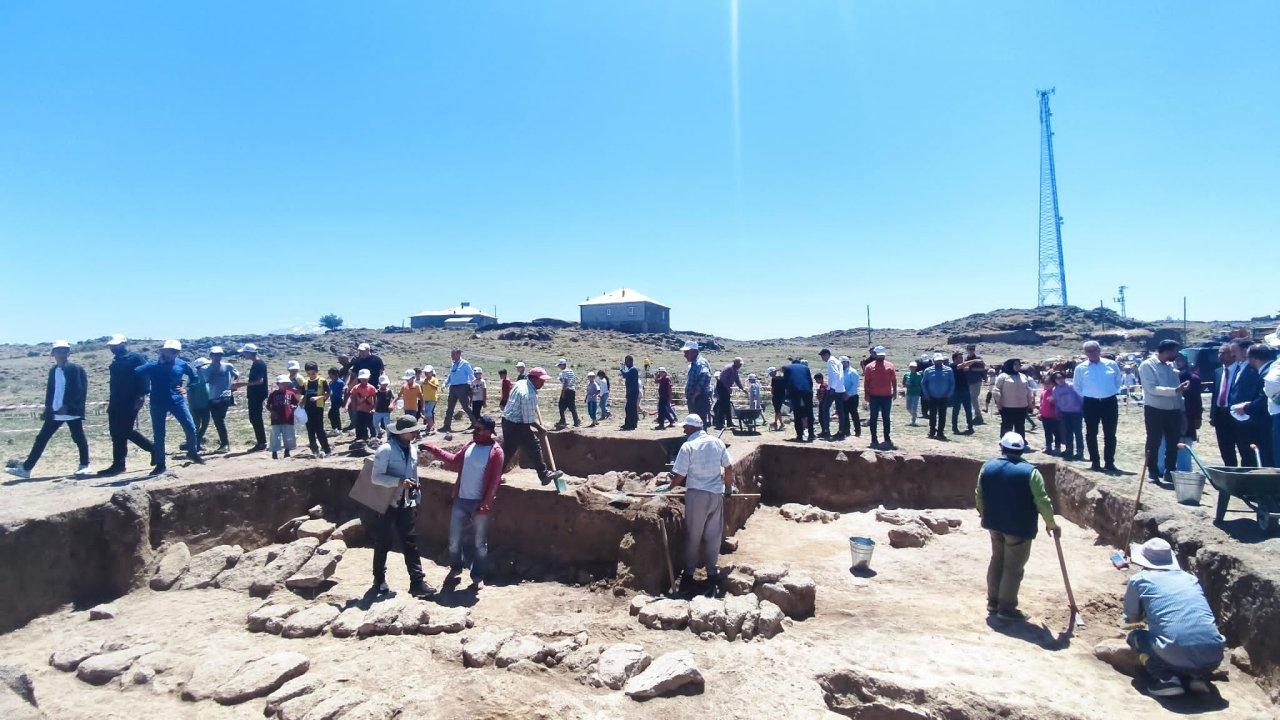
[1120, 299]
[1051, 278]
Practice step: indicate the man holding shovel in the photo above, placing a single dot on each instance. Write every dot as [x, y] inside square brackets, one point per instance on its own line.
[1010, 494]
[522, 426]
[703, 466]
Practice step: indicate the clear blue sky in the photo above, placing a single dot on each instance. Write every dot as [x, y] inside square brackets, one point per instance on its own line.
[202, 168]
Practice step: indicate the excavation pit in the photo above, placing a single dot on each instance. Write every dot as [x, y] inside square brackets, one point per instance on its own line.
[912, 631]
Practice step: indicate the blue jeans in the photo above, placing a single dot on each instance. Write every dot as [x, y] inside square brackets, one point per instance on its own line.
[604, 405]
[961, 400]
[464, 516]
[159, 413]
[591, 409]
[1160, 669]
[381, 420]
[1183, 462]
[1071, 432]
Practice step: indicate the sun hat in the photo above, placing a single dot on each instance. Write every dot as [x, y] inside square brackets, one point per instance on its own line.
[61, 345]
[406, 423]
[690, 345]
[479, 371]
[537, 373]
[293, 365]
[751, 376]
[363, 374]
[362, 346]
[249, 348]
[878, 351]
[845, 359]
[409, 375]
[1013, 441]
[662, 369]
[216, 350]
[283, 379]
[116, 339]
[939, 356]
[912, 364]
[692, 421]
[171, 345]
[1155, 554]
[772, 369]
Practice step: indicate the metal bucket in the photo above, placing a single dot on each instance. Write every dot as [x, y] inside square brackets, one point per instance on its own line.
[1188, 486]
[861, 549]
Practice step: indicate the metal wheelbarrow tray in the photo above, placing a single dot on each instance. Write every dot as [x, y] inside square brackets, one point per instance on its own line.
[1259, 488]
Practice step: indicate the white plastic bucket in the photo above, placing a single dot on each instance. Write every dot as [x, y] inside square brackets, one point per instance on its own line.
[861, 549]
[1188, 486]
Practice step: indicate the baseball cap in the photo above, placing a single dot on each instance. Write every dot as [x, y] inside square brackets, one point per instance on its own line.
[363, 374]
[293, 365]
[690, 345]
[384, 380]
[939, 356]
[478, 371]
[201, 362]
[116, 339]
[283, 379]
[249, 348]
[562, 361]
[520, 364]
[878, 351]
[537, 373]
[362, 346]
[428, 369]
[772, 369]
[216, 350]
[662, 369]
[171, 345]
[61, 345]
[409, 375]
[692, 420]
[1013, 441]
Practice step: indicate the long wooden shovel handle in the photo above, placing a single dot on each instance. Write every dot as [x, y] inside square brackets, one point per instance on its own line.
[1137, 504]
[1071, 597]
[666, 555]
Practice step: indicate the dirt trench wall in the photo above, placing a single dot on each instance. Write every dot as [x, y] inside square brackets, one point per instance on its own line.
[583, 455]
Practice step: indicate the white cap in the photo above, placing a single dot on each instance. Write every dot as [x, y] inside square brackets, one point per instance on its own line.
[662, 369]
[1013, 441]
[939, 356]
[520, 364]
[693, 421]
[293, 365]
[249, 348]
[117, 339]
[478, 370]
[878, 351]
[362, 346]
[562, 361]
[428, 369]
[409, 375]
[363, 374]
[773, 369]
[737, 359]
[751, 376]
[283, 379]
[201, 362]
[216, 350]
[844, 359]
[690, 345]
[61, 345]
[384, 380]
[171, 345]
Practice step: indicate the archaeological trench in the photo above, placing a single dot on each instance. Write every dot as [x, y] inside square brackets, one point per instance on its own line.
[61, 564]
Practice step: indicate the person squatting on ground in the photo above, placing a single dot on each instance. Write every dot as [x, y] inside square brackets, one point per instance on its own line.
[256, 391]
[479, 465]
[568, 401]
[315, 393]
[1161, 407]
[280, 406]
[880, 383]
[395, 464]
[522, 426]
[1098, 381]
[703, 466]
[459, 382]
[1010, 494]
[64, 402]
[1181, 643]
[697, 383]
[631, 385]
[126, 396]
[666, 413]
[937, 385]
[168, 396]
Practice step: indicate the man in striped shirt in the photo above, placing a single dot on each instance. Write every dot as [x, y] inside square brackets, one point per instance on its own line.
[521, 426]
[568, 394]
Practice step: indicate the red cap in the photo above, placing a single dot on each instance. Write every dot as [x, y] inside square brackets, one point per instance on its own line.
[538, 373]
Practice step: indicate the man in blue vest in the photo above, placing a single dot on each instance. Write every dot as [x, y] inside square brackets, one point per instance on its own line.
[1010, 495]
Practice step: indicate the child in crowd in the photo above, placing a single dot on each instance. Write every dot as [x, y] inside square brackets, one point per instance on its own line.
[360, 403]
[280, 403]
[430, 391]
[911, 381]
[666, 414]
[479, 393]
[506, 388]
[603, 381]
[315, 392]
[1049, 417]
[593, 397]
[820, 390]
[755, 397]
[294, 368]
[382, 406]
[410, 394]
[337, 395]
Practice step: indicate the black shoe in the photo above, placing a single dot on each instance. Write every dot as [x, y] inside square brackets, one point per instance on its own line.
[378, 588]
[113, 470]
[1111, 467]
[421, 590]
[257, 448]
[941, 436]
[1167, 687]
[1095, 467]
[195, 458]
[157, 470]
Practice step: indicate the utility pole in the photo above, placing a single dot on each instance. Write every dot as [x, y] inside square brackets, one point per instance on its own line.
[1051, 278]
[868, 326]
[1120, 299]
[1184, 318]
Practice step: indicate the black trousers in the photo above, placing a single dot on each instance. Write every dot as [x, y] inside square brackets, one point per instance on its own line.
[397, 523]
[364, 424]
[1161, 425]
[1231, 442]
[218, 411]
[476, 407]
[801, 413]
[335, 415]
[936, 410]
[631, 412]
[47, 430]
[880, 406]
[824, 412]
[1105, 412]
[851, 414]
[315, 428]
[569, 403]
[722, 411]
[256, 402]
[200, 416]
[842, 413]
[459, 394]
[519, 438]
[1014, 419]
[121, 424]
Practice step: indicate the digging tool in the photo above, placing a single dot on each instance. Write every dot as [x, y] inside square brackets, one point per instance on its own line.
[1076, 619]
[666, 555]
[551, 460]
[622, 496]
[1119, 558]
[1194, 456]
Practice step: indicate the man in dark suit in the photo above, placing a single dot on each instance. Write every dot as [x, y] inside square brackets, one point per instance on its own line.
[1247, 398]
[1224, 426]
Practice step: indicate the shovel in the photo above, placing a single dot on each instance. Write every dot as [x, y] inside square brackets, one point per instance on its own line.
[1076, 619]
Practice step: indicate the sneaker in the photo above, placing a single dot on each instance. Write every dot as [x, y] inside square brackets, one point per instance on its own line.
[275, 456]
[321, 455]
[1168, 687]
[1013, 614]
[1111, 467]
[1196, 685]
[83, 471]
[19, 471]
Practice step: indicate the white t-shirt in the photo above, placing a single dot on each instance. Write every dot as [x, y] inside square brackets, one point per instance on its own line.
[60, 394]
[472, 478]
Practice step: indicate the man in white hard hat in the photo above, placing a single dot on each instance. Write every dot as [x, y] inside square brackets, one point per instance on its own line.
[168, 396]
[1181, 642]
[64, 400]
[256, 391]
[697, 383]
[1009, 496]
[127, 395]
[704, 467]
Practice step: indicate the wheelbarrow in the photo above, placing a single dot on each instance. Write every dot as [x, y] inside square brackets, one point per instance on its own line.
[749, 419]
[1257, 487]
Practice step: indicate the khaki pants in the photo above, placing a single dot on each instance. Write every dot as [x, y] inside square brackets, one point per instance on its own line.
[1009, 554]
[704, 530]
[975, 390]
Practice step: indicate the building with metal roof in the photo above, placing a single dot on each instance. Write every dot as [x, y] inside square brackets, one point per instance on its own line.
[463, 316]
[625, 310]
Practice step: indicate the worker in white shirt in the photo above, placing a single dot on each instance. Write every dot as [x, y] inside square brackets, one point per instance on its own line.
[703, 467]
[1098, 380]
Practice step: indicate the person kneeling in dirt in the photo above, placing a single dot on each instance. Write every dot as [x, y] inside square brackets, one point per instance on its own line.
[396, 464]
[1181, 642]
[1010, 494]
[479, 464]
[703, 467]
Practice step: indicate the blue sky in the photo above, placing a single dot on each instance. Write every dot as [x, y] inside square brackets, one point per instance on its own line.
[196, 169]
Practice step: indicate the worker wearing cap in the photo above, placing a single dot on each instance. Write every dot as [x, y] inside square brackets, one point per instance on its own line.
[568, 401]
[937, 384]
[880, 384]
[522, 424]
[221, 378]
[697, 383]
[64, 402]
[127, 395]
[366, 360]
[256, 391]
[1009, 495]
[703, 466]
[1181, 642]
[168, 396]
[459, 383]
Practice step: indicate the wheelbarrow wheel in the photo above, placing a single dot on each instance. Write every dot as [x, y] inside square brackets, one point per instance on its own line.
[1266, 518]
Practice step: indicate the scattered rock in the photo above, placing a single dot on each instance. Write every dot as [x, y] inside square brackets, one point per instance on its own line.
[289, 530]
[895, 517]
[769, 622]
[310, 621]
[102, 668]
[807, 513]
[619, 662]
[558, 650]
[1240, 658]
[140, 674]
[351, 532]
[105, 611]
[212, 670]
[706, 615]
[297, 687]
[771, 572]
[795, 593]
[379, 618]
[207, 565]
[240, 577]
[638, 602]
[330, 707]
[669, 674]
[741, 613]
[347, 623]
[19, 682]
[317, 569]
[737, 582]
[289, 561]
[315, 512]
[318, 528]
[72, 655]
[172, 564]
[273, 613]
[665, 614]
[481, 650]
[447, 620]
[414, 614]
[1118, 655]
[728, 545]
[521, 647]
[261, 677]
[911, 535]
[372, 710]
[940, 524]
